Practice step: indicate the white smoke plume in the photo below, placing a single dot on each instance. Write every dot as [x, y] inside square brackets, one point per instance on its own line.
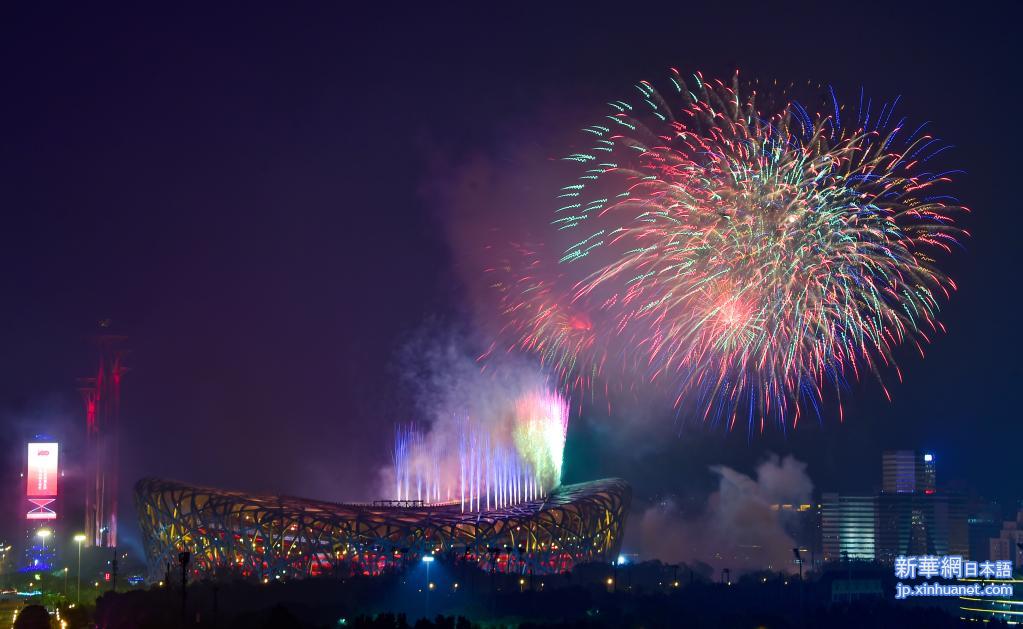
[739, 528]
[491, 432]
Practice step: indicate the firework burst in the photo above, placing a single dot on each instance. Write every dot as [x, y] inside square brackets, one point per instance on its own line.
[542, 320]
[748, 259]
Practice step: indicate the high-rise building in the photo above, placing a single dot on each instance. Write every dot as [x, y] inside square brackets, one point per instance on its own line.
[950, 515]
[102, 396]
[913, 517]
[909, 517]
[921, 524]
[984, 521]
[42, 481]
[907, 472]
[848, 527]
[1007, 544]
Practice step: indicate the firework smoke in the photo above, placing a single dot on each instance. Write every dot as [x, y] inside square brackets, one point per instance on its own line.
[491, 438]
[740, 528]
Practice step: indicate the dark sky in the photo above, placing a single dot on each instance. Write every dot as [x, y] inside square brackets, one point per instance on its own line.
[241, 191]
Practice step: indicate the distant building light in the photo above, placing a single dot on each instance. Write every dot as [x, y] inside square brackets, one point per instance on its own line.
[928, 457]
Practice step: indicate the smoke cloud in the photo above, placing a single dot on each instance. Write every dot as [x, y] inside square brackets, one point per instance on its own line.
[492, 430]
[739, 528]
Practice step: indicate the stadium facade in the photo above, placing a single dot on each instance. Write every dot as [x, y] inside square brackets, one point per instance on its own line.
[270, 537]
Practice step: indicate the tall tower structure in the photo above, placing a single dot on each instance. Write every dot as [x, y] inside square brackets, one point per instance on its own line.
[914, 518]
[102, 397]
[907, 472]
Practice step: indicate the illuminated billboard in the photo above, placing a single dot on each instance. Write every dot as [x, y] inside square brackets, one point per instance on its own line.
[41, 486]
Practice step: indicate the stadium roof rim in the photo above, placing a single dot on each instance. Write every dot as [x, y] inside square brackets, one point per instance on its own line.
[560, 495]
[266, 536]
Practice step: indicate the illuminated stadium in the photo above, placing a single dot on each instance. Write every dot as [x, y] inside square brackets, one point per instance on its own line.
[263, 537]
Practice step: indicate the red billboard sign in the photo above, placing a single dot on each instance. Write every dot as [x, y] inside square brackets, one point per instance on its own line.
[41, 487]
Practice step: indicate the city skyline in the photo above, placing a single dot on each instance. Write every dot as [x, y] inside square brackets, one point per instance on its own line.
[606, 315]
[274, 221]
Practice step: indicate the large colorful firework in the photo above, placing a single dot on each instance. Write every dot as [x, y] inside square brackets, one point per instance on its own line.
[748, 259]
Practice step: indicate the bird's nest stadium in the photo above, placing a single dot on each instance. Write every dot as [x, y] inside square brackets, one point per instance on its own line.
[261, 537]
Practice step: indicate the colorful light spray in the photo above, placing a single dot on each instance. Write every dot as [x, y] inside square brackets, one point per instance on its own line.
[497, 460]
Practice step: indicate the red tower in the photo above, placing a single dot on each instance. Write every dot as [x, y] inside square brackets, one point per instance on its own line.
[102, 396]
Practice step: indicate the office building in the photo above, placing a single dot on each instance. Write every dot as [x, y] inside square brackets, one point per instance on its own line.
[848, 527]
[907, 472]
[1007, 544]
[908, 517]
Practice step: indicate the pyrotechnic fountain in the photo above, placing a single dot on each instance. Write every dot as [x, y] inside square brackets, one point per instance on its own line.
[495, 460]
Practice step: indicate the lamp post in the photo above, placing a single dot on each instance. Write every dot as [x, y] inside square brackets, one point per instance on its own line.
[799, 560]
[79, 538]
[43, 535]
[428, 559]
[3, 563]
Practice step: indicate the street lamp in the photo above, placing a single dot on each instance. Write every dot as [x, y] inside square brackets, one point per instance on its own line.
[43, 535]
[79, 538]
[428, 559]
[799, 560]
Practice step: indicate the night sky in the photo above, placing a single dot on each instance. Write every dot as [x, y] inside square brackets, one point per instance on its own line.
[265, 203]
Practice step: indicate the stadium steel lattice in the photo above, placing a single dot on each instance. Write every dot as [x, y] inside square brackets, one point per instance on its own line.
[231, 533]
